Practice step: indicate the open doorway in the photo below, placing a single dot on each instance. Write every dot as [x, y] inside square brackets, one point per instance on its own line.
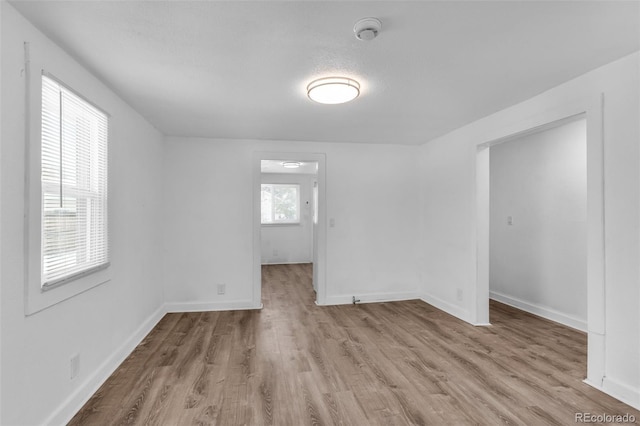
[538, 223]
[287, 211]
[289, 218]
[591, 108]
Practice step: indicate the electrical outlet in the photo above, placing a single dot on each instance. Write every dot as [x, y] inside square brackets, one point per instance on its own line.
[275, 253]
[222, 288]
[74, 366]
[459, 295]
[510, 220]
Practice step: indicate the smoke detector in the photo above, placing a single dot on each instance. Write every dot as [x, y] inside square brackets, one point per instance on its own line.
[367, 29]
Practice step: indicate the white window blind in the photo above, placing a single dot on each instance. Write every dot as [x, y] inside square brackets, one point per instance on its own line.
[280, 203]
[75, 238]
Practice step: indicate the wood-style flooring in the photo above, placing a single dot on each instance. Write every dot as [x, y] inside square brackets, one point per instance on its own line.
[399, 363]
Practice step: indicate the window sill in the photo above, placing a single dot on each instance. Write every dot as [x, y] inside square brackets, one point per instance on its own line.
[39, 298]
[73, 277]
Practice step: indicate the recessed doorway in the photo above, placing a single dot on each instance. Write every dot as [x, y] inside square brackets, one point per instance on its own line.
[538, 228]
[289, 216]
[592, 110]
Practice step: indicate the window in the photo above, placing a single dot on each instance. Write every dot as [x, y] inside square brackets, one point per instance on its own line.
[74, 240]
[280, 203]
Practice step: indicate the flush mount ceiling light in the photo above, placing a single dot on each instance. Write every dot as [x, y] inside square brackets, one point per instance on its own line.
[291, 164]
[333, 90]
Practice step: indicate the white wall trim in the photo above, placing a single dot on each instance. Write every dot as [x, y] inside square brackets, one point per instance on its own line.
[371, 298]
[287, 263]
[541, 311]
[234, 305]
[65, 412]
[620, 391]
[447, 307]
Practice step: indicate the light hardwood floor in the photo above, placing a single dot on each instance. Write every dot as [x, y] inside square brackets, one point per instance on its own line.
[399, 363]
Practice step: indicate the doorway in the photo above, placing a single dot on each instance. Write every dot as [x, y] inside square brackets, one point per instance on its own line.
[592, 110]
[290, 228]
[538, 243]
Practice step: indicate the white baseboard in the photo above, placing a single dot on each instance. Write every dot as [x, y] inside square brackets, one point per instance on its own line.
[371, 298]
[447, 307]
[279, 262]
[620, 391]
[236, 305]
[85, 391]
[541, 311]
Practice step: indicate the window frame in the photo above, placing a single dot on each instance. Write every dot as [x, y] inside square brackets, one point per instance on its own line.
[275, 222]
[80, 193]
[86, 87]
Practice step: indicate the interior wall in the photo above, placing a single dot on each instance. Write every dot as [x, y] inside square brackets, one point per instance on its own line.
[101, 324]
[538, 231]
[208, 236]
[290, 243]
[448, 218]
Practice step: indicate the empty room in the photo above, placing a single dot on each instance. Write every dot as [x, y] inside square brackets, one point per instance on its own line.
[312, 212]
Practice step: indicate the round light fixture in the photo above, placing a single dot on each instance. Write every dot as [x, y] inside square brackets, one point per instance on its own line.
[291, 164]
[333, 90]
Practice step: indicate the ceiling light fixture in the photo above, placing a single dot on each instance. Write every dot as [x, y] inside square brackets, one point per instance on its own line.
[291, 164]
[333, 90]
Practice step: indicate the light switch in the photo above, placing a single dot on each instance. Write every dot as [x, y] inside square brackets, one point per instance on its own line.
[509, 220]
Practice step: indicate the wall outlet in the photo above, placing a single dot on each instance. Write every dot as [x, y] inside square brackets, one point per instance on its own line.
[222, 288]
[510, 220]
[74, 366]
[459, 295]
[275, 253]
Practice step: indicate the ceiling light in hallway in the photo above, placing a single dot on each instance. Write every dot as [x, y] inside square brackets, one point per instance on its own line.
[291, 164]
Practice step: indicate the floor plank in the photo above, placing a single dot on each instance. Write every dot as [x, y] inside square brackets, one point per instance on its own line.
[399, 363]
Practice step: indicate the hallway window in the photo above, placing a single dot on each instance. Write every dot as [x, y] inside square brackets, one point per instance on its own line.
[74, 186]
[280, 203]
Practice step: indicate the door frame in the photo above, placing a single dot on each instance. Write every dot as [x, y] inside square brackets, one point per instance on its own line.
[593, 110]
[319, 243]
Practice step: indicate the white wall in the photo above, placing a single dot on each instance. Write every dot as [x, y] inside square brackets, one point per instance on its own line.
[290, 243]
[539, 261]
[105, 322]
[448, 221]
[208, 230]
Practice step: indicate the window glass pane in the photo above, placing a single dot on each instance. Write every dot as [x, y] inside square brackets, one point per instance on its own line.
[286, 204]
[266, 204]
[280, 203]
[74, 184]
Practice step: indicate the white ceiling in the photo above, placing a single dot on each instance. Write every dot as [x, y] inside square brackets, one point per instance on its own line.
[239, 69]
